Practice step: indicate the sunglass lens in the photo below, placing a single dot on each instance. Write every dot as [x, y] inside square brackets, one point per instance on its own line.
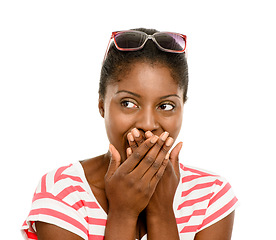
[170, 41]
[130, 40]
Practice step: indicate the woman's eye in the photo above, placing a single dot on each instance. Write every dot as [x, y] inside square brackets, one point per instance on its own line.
[166, 107]
[128, 104]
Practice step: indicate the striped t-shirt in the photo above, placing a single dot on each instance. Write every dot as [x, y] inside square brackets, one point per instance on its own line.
[64, 198]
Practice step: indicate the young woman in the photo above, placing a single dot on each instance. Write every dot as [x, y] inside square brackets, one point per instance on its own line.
[138, 189]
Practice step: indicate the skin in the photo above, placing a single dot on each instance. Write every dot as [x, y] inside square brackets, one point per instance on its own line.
[143, 115]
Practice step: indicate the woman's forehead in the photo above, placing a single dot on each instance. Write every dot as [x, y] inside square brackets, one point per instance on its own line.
[143, 73]
[145, 78]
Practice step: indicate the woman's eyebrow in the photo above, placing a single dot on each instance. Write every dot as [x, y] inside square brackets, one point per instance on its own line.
[170, 95]
[139, 96]
[132, 93]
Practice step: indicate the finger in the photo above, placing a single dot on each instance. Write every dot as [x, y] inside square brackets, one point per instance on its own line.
[128, 152]
[150, 158]
[160, 155]
[151, 161]
[131, 141]
[138, 154]
[148, 134]
[114, 163]
[159, 174]
[138, 137]
[174, 158]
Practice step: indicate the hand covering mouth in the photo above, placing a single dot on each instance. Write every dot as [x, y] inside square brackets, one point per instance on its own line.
[142, 136]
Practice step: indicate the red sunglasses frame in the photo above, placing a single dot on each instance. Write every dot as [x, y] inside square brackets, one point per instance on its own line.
[113, 35]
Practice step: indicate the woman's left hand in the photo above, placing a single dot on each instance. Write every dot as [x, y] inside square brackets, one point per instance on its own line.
[160, 218]
[162, 199]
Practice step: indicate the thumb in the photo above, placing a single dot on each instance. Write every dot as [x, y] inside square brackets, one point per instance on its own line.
[174, 157]
[115, 161]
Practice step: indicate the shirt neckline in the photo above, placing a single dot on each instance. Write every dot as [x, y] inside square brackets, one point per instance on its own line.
[85, 182]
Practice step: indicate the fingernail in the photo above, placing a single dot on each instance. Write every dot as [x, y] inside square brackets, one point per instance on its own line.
[167, 156]
[130, 137]
[129, 151]
[136, 133]
[148, 134]
[169, 142]
[154, 139]
[164, 136]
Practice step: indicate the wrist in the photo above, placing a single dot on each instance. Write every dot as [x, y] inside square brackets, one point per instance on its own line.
[158, 209]
[162, 226]
[120, 226]
[162, 213]
[122, 215]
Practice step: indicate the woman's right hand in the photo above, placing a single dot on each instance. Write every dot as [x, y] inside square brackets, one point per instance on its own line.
[130, 185]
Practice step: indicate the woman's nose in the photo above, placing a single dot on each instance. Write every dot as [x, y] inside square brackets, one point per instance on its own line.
[147, 120]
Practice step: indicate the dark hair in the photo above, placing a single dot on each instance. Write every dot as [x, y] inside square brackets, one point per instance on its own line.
[117, 62]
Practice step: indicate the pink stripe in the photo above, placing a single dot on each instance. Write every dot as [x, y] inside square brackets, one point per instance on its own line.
[50, 196]
[197, 171]
[201, 186]
[59, 172]
[76, 206]
[83, 203]
[74, 178]
[61, 216]
[95, 237]
[197, 200]
[182, 166]
[59, 176]
[190, 178]
[220, 212]
[47, 195]
[192, 228]
[185, 219]
[43, 183]
[30, 235]
[220, 194]
[95, 221]
[65, 192]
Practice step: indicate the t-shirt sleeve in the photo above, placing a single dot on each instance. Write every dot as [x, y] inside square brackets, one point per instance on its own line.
[221, 204]
[56, 202]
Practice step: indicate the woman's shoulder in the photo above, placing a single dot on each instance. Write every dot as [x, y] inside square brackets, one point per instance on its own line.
[62, 198]
[195, 181]
[205, 187]
[206, 196]
[57, 180]
[195, 174]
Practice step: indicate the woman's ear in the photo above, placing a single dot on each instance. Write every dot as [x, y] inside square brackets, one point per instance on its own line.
[101, 106]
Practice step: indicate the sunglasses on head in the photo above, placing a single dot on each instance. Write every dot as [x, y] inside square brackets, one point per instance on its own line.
[132, 40]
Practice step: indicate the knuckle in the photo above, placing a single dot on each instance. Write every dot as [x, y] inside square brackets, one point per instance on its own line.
[136, 155]
[147, 194]
[149, 160]
[164, 150]
[131, 182]
[165, 162]
[133, 146]
[140, 141]
[147, 145]
[159, 175]
[155, 165]
[160, 144]
[139, 188]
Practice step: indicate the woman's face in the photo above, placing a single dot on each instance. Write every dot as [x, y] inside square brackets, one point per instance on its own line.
[146, 98]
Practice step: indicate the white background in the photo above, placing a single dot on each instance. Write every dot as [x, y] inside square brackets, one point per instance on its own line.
[50, 59]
